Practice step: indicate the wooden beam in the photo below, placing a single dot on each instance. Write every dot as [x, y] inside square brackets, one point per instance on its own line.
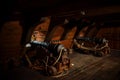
[90, 12]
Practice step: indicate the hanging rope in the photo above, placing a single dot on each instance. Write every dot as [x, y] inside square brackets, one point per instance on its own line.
[58, 57]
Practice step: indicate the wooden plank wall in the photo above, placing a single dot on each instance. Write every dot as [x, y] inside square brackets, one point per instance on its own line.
[10, 37]
[112, 34]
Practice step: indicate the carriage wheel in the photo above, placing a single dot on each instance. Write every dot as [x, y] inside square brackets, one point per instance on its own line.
[106, 51]
[99, 54]
[52, 71]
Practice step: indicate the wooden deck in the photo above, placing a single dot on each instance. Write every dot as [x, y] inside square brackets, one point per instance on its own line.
[86, 67]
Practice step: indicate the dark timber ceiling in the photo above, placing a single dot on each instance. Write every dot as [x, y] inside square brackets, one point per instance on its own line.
[61, 8]
[50, 5]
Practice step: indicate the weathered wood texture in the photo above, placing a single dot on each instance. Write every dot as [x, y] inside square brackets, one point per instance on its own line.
[10, 37]
[86, 67]
[112, 34]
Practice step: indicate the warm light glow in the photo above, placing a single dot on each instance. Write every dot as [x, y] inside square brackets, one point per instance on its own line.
[83, 31]
[38, 36]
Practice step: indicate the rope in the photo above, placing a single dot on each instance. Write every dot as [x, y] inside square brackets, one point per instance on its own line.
[58, 57]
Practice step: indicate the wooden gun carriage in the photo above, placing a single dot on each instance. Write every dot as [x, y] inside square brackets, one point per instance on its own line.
[51, 58]
[97, 46]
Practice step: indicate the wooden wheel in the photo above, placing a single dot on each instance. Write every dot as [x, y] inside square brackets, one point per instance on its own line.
[106, 50]
[99, 54]
[52, 71]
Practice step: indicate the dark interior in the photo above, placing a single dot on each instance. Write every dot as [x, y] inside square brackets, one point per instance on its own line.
[61, 20]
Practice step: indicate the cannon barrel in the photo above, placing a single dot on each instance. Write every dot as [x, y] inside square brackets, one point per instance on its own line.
[96, 40]
[54, 48]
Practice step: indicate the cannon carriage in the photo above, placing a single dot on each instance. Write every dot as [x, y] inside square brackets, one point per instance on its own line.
[96, 46]
[50, 58]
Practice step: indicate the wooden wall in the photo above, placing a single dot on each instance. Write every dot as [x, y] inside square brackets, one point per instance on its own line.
[10, 37]
[112, 34]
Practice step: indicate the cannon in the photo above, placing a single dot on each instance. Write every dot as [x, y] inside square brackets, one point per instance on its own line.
[96, 46]
[50, 58]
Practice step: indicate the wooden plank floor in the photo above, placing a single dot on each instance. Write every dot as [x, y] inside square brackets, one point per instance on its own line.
[86, 67]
